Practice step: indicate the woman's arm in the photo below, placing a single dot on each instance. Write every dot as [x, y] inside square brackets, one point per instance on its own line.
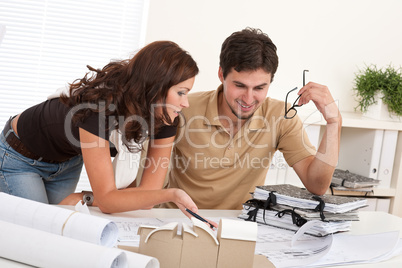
[108, 198]
[156, 163]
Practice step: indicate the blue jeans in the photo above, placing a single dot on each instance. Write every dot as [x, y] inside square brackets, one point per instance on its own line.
[37, 180]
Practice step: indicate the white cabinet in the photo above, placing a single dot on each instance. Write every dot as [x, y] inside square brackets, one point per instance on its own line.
[369, 147]
[368, 152]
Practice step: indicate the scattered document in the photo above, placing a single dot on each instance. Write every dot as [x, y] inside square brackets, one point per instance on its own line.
[276, 245]
[128, 228]
[353, 249]
[337, 249]
[83, 208]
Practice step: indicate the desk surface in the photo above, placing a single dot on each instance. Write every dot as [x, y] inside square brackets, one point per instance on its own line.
[370, 223]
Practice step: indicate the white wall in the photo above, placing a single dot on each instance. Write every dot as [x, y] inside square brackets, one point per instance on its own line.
[333, 39]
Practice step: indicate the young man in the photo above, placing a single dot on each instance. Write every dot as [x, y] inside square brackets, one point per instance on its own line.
[230, 135]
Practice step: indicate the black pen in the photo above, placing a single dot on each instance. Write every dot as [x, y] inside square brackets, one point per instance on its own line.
[199, 217]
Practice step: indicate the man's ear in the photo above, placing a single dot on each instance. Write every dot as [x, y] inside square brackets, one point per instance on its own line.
[220, 74]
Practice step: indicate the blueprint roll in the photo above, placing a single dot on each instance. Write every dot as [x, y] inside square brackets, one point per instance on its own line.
[91, 229]
[57, 220]
[43, 249]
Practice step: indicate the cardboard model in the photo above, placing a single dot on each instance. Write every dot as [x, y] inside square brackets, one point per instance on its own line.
[233, 246]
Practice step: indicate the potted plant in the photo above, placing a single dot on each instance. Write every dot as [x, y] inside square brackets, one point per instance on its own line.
[379, 92]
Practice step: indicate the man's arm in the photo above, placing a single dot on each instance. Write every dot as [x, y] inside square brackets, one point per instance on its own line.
[316, 171]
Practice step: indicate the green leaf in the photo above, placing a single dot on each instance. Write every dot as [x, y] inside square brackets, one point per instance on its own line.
[371, 80]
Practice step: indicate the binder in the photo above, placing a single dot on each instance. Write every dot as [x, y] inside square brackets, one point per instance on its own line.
[290, 207]
[300, 197]
[387, 158]
[352, 180]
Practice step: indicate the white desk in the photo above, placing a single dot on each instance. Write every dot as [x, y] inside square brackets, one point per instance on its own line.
[370, 222]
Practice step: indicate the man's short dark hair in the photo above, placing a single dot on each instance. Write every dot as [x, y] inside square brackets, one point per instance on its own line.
[248, 50]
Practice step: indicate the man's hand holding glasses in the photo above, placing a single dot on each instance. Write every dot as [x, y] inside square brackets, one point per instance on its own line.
[291, 112]
[321, 97]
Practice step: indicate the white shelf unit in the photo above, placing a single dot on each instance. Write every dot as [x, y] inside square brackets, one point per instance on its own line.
[369, 147]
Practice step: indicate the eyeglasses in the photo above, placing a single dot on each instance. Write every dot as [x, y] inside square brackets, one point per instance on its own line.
[291, 112]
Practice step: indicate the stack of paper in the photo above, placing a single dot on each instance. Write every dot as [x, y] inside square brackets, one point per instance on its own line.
[290, 207]
[311, 214]
[293, 196]
[321, 228]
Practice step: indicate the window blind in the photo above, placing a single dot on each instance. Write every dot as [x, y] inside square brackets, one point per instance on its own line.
[48, 43]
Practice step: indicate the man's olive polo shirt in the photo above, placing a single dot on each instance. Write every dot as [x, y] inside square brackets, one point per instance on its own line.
[219, 171]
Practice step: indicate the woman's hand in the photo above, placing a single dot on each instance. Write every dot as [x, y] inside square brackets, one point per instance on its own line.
[72, 199]
[183, 201]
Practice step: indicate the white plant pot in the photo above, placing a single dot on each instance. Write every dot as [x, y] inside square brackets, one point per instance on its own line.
[379, 110]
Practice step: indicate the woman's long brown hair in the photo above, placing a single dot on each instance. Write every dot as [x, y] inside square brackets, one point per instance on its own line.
[132, 87]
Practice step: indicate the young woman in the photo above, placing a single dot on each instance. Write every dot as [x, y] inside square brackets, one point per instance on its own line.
[42, 150]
